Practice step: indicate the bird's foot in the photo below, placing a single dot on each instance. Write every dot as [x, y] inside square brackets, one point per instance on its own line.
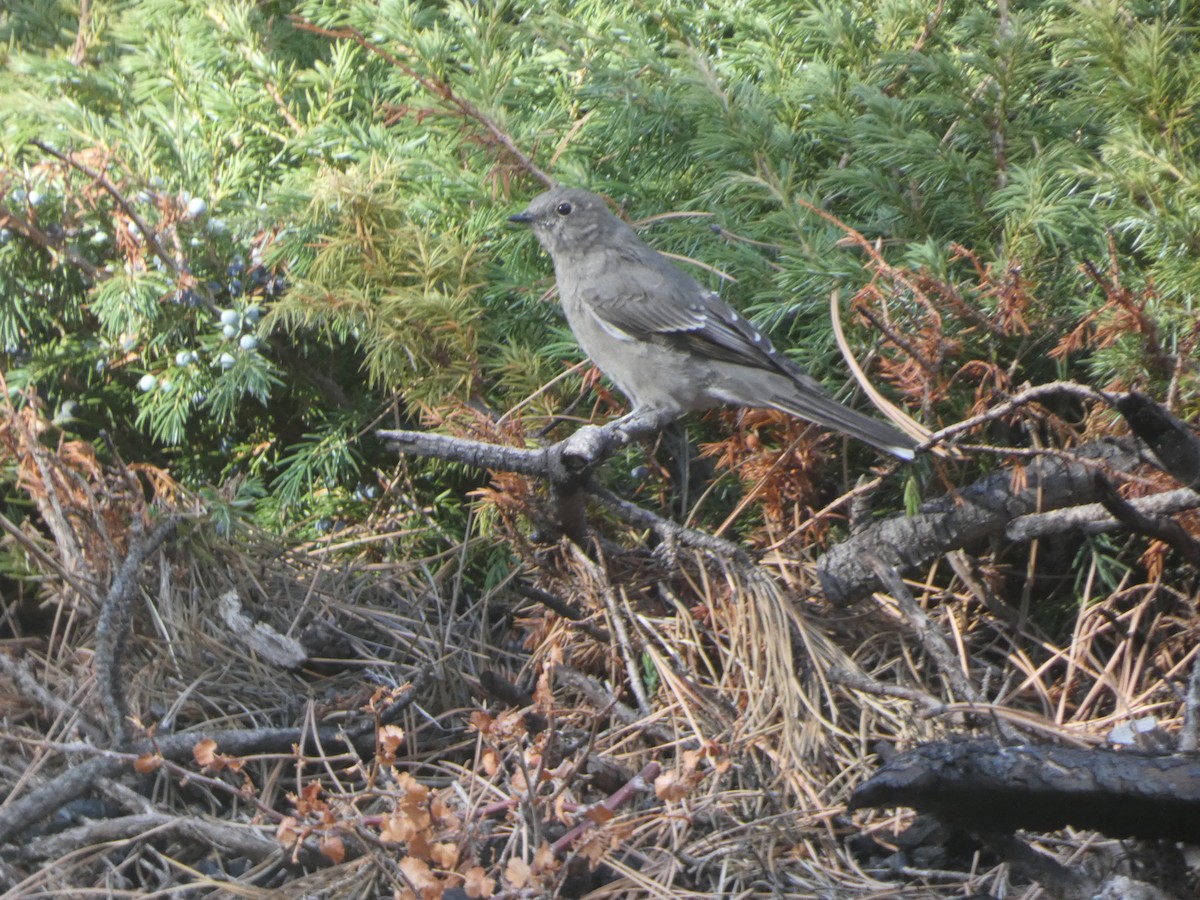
[642, 423]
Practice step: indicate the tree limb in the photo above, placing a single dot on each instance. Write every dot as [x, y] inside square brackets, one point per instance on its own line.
[965, 517]
[1093, 518]
[1159, 527]
[1173, 442]
[988, 788]
[112, 628]
[568, 467]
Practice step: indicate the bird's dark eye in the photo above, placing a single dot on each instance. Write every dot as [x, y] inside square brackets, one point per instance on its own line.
[563, 209]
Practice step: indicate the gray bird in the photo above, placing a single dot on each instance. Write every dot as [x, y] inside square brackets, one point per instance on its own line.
[664, 340]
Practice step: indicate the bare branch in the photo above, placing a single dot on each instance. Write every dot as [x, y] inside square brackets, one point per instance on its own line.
[112, 628]
[927, 632]
[31, 688]
[986, 787]
[1174, 443]
[860, 681]
[78, 779]
[256, 844]
[1029, 395]
[967, 516]
[1159, 527]
[1093, 518]
[568, 466]
[667, 530]
[641, 782]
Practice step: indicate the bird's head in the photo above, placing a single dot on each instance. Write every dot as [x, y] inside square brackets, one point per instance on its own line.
[569, 220]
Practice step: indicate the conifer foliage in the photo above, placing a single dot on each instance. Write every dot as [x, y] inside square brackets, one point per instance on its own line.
[237, 238]
[233, 239]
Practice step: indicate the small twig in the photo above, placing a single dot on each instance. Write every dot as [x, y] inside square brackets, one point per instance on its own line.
[852, 496]
[103, 180]
[496, 686]
[603, 699]
[951, 292]
[78, 779]
[722, 232]
[890, 333]
[565, 140]
[217, 786]
[931, 21]
[43, 240]
[33, 689]
[927, 632]
[563, 609]
[69, 541]
[234, 840]
[79, 50]
[900, 276]
[125, 796]
[620, 632]
[491, 809]
[51, 563]
[642, 781]
[692, 261]
[277, 96]
[1062, 881]
[390, 713]
[668, 531]
[437, 88]
[1029, 395]
[1118, 294]
[935, 642]
[865, 683]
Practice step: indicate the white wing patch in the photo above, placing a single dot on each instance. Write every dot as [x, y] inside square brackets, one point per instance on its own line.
[612, 330]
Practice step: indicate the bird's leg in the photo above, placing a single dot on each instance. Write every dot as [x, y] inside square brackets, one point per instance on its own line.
[643, 422]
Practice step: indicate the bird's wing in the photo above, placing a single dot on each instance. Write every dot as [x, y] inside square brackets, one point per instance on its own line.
[659, 302]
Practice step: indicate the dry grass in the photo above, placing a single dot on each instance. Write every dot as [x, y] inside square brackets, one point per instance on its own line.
[696, 734]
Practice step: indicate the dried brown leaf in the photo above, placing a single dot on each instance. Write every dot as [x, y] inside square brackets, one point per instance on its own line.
[478, 884]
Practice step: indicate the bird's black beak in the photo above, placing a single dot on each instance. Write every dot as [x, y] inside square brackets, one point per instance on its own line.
[521, 218]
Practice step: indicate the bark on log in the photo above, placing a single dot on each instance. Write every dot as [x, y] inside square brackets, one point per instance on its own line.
[987, 788]
[967, 517]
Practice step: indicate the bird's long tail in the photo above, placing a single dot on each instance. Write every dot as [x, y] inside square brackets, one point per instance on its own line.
[817, 406]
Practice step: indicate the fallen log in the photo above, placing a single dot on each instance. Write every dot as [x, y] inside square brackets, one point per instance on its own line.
[986, 788]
